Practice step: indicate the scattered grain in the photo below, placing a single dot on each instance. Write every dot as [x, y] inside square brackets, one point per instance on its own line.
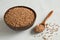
[51, 30]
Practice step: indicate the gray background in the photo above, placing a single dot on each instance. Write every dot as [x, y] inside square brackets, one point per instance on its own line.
[41, 7]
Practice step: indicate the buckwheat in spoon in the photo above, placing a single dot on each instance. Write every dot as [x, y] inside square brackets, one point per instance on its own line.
[41, 26]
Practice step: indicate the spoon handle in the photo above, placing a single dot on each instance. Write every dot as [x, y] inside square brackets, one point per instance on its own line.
[50, 13]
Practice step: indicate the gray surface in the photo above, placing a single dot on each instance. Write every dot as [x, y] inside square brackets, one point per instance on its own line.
[41, 7]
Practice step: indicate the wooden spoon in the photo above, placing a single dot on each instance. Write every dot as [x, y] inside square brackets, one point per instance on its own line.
[41, 26]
